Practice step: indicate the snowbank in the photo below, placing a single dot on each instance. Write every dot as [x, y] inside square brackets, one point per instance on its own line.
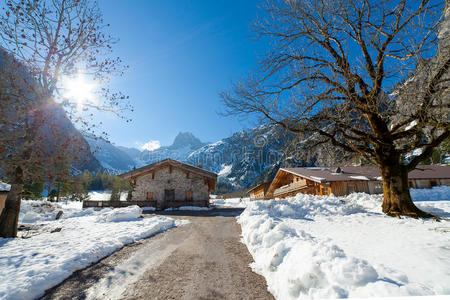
[334, 247]
[437, 193]
[30, 266]
[231, 202]
[130, 213]
[32, 211]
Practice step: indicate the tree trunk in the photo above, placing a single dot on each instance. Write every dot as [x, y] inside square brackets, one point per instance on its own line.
[397, 199]
[10, 215]
[58, 191]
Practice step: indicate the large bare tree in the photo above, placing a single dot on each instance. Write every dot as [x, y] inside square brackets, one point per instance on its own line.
[44, 45]
[370, 77]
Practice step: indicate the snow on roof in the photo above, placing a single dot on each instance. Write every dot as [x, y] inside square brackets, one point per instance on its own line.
[4, 187]
[318, 178]
[360, 177]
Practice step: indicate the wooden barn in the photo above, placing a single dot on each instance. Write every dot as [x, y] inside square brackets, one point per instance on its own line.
[342, 181]
[259, 192]
[171, 183]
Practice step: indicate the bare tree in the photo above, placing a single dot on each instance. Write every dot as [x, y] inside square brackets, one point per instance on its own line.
[44, 43]
[370, 77]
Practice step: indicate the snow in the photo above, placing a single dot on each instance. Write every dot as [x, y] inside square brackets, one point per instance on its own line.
[105, 196]
[411, 125]
[230, 203]
[317, 178]
[5, 187]
[130, 213]
[226, 170]
[437, 193]
[360, 177]
[29, 266]
[333, 247]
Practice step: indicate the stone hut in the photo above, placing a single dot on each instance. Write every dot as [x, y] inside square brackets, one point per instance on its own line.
[171, 184]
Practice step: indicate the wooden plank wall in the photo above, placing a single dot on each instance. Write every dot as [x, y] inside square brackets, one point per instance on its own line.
[341, 188]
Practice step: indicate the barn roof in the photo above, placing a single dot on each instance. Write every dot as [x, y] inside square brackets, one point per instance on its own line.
[264, 185]
[352, 173]
[4, 187]
[168, 162]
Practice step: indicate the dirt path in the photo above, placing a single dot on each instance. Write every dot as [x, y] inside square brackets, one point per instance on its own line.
[200, 260]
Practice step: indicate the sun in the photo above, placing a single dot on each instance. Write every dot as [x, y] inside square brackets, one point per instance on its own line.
[79, 90]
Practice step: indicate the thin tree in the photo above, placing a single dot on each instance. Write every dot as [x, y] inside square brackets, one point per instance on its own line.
[370, 77]
[44, 44]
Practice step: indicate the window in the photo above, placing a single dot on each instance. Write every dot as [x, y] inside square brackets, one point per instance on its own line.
[378, 187]
[324, 191]
[433, 183]
[189, 195]
[149, 195]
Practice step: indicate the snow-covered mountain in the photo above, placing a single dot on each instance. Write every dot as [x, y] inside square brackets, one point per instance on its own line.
[183, 145]
[240, 159]
[119, 159]
[110, 157]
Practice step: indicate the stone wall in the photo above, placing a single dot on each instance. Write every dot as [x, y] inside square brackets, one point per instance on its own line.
[176, 180]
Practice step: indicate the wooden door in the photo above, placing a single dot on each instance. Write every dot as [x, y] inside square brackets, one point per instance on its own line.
[169, 195]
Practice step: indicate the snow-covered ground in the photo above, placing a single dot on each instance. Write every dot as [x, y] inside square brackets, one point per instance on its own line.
[42, 258]
[231, 202]
[333, 247]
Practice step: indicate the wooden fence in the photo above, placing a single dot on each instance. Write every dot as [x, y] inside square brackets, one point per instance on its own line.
[93, 203]
[167, 204]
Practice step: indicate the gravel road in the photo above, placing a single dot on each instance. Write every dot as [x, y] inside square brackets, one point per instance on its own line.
[203, 259]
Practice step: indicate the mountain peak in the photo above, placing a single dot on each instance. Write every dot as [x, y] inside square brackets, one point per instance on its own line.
[184, 139]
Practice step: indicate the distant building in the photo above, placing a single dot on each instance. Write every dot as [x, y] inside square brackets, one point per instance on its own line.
[171, 184]
[342, 181]
[4, 190]
[259, 192]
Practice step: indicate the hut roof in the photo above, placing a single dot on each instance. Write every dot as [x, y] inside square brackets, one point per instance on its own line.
[168, 162]
[264, 185]
[352, 173]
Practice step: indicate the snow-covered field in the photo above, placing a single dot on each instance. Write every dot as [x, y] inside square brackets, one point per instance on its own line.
[42, 259]
[333, 247]
[105, 196]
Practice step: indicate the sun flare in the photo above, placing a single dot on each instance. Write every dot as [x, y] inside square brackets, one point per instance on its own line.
[79, 90]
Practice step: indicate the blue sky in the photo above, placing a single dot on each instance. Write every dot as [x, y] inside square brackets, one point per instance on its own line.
[181, 55]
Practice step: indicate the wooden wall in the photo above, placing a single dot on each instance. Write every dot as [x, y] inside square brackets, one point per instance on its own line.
[342, 188]
[427, 183]
[258, 194]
